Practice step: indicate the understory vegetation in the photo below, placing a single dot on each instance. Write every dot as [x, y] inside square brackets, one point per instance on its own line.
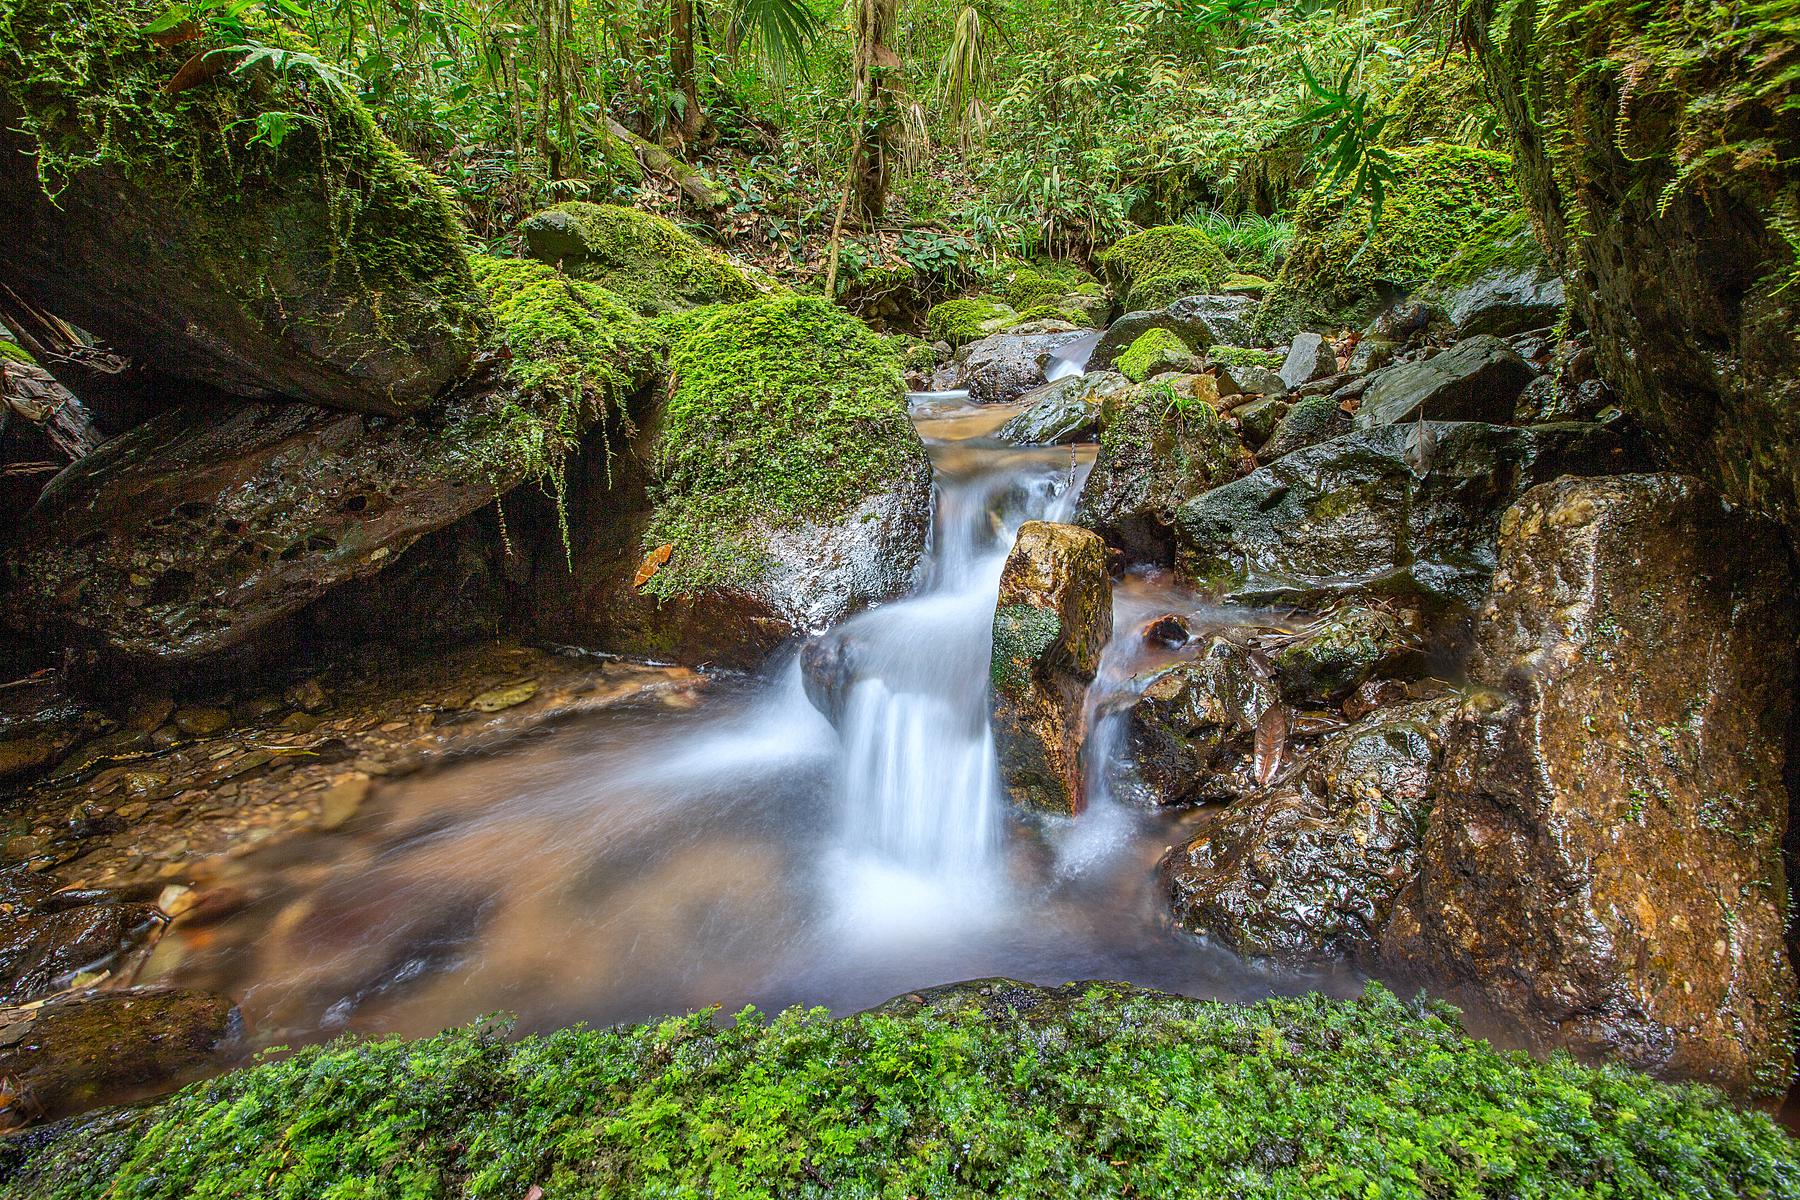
[1107, 1092]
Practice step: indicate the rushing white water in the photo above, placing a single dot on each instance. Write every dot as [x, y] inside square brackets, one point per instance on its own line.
[1072, 359]
[660, 857]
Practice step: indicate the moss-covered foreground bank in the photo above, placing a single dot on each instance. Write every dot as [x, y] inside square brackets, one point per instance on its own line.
[996, 1089]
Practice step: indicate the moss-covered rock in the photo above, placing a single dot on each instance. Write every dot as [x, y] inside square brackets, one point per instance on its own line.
[774, 487]
[1154, 268]
[647, 261]
[1443, 99]
[1155, 352]
[1656, 145]
[1296, 1096]
[146, 198]
[1340, 271]
[968, 319]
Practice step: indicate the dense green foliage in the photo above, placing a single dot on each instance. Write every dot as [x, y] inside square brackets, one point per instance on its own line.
[1107, 1093]
[1340, 268]
[783, 409]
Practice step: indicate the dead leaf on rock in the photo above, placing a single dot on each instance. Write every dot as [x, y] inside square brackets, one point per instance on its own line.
[653, 563]
[1271, 743]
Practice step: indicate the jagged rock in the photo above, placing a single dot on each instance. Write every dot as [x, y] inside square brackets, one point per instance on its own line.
[1191, 731]
[1312, 420]
[1310, 868]
[76, 1052]
[1005, 366]
[1604, 862]
[1252, 380]
[651, 263]
[1506, 300]
[1402, 510]
[1065, 411]
[1478, 379]
[1154, 455]
[1310, 357]
[1052, 620]
[330, 269]
[1332, 657]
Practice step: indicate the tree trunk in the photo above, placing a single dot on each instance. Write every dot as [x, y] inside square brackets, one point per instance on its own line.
[681, 66]
[876, 100]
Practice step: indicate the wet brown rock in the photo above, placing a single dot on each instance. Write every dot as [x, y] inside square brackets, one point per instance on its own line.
[45, 949]
[74, 1052]
[1170, 630]
[1604, 860]
[1374, 694]
[1192, 730]
[1344, 648]
[199, 530]
[1156, 453]
[1310, 868]
[1053, 618]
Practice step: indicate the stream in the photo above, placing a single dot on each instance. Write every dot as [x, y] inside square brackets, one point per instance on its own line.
[656, 858]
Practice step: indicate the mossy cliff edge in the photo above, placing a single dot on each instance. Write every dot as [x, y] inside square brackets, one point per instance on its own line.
[990, 1088]
[228, 213]
[1656, 146]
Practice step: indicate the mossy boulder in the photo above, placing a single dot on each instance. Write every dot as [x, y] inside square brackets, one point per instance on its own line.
[1156, 267]
[1443, 98]
[968, 319]
[774, 487]
[1163, 443]
[1053, 618]
[1499, 283]
[1339, 271]
[647, 261]
[922, 1095]
[199, 532]
[143, 202]
[1155, 352]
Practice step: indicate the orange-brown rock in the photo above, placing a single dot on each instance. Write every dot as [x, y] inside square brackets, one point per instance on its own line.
[1603, 862]
[1053, 618]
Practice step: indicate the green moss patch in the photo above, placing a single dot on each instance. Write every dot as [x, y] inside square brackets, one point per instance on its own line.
[1339, 271]
[785, 409]
[1153, 351]
[1023, 633]
[11, 351]
[1169, 261]
[649, 262]
[1245, 356]
[1012, 1091]
[968, 319]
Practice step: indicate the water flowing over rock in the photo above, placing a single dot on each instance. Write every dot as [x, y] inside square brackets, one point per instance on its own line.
[1310, 868]
[329, 269]
[1604, 859]
[1158, 451]
[1053, 617]
[1402, 510]
[1478, 379]
[1005, 366]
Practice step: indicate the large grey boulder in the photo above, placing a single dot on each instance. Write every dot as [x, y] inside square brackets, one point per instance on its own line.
[1405, 510]
[1226, 318]
[1478, 379]
[1310, 357]
[1005, 366]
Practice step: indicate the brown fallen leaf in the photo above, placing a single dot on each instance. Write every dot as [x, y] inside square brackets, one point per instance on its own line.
[197, 70]
[536, 1193]
[187, 31]
[1271, 744]
[652, 563]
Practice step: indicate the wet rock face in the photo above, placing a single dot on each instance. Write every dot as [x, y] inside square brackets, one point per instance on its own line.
[1604, 860]
[75, 1052]
[1478, 379]
[1005, 366]
[1062, 412]
[1506, 299]
[1226, 318]
[43, 950]
[1052, 620]
[1311, 421]
[1309, 357]
[1157, 452]
[1310, 867]
[1191, 731]
[1404, 510]
[1332, 658]
[198, 530]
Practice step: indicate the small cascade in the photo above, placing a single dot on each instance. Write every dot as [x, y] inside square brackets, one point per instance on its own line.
[1072, 359]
